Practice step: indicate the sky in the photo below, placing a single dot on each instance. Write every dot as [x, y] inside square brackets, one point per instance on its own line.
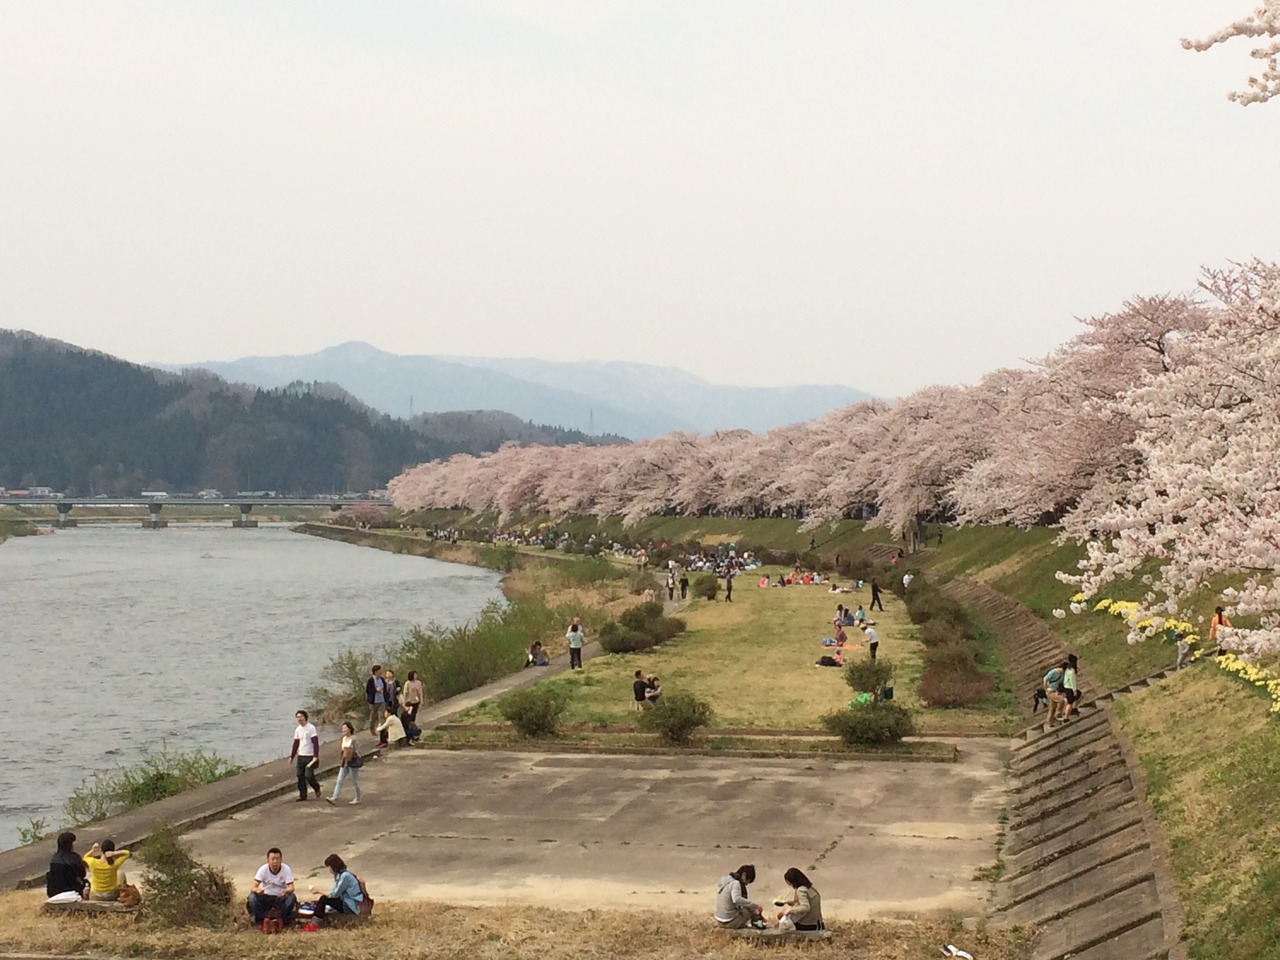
[876, 194]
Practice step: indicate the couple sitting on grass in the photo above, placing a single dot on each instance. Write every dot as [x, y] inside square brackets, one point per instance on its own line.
[799, 909]
[272, 893]
[95, 876]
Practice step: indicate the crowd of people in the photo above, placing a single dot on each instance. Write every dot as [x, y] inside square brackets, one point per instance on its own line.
[833, 654]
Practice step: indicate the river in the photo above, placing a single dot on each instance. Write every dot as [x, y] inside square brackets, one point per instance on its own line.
[193, 637]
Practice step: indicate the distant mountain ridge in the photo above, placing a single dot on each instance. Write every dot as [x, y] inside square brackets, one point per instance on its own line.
[628, 399]
[83, 422]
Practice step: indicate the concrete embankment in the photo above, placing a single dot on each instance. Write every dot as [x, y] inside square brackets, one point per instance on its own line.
[1084, 856]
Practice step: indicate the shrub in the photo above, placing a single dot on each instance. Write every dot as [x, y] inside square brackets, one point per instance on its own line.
[942, 687]
[938, 632]
[868, 676]
[870, 724]
[159, 774]
[676, 716]
[954, 657]
[615, 638]
[641, 616]
[500, 557]
[706, 586]
[534, 711]
[181, 891]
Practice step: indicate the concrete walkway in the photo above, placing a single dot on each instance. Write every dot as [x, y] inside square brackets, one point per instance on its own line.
[26, 866]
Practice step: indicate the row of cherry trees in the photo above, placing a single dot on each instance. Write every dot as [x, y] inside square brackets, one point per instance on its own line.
[1152, 435]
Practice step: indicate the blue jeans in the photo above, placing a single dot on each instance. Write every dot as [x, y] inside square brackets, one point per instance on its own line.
[343, 773]
[260, 903]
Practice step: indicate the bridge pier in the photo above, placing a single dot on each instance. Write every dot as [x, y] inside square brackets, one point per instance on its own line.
[64, 515]
[154, 522]
[244, 522]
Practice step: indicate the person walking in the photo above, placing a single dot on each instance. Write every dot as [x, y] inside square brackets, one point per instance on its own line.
[1216, 626]
[684, 585]
[875, 595]
[412, 696]
[305, 755]
[350, 767]
[375, 695]
[671, 586]
[574, 636]
[728, 585]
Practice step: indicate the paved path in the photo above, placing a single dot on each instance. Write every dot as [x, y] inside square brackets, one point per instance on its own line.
[879, 838]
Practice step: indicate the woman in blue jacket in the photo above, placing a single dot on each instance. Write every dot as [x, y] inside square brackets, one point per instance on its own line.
[345, 896]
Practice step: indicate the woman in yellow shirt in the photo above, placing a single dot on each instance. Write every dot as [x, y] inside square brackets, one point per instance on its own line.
[104, 862]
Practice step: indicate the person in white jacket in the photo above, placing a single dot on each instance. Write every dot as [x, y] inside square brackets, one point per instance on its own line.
[733, 909]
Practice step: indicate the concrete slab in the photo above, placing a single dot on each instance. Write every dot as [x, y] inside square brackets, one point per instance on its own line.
[1073, 864]
[1028, 851]
[1084, 889]
[1108, 920]
[1144, 942]
[878, 838]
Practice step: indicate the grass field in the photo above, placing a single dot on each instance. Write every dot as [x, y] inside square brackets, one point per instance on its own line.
[1212, 759]
[753, 660]
[445, 931]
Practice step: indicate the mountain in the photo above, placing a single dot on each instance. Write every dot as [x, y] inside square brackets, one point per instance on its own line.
[83, 422]
[628, 399]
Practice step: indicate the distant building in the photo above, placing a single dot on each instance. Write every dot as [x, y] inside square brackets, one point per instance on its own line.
[40, 491]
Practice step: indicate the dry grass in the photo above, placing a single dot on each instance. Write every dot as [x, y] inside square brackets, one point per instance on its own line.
[413, 930]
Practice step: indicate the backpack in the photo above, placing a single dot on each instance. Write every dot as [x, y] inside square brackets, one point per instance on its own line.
[366, 902]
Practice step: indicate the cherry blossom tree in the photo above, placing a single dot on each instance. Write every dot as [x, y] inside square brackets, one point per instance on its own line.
[1204, 497]
[1264, 24]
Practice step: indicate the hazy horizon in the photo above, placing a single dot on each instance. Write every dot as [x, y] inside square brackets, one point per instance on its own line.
[823, 193]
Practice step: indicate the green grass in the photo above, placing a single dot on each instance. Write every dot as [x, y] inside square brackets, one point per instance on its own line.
[753, 660]
[1212, 761]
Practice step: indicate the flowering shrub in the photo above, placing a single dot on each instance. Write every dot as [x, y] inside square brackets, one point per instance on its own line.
[1254, 674]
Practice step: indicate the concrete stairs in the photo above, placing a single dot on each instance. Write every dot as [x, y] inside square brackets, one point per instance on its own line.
[1079, 856]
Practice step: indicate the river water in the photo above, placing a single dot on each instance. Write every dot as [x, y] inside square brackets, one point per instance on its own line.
[194, 637]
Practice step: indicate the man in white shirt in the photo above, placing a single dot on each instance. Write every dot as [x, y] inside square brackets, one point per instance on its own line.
[873, 642]
[305, 754]
[272, 889]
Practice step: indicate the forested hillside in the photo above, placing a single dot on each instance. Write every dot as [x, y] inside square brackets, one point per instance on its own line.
[86, 423]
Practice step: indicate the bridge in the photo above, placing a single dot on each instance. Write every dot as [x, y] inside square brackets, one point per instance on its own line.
[154, 505]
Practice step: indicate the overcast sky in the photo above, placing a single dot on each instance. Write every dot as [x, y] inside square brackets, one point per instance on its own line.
[879, 194]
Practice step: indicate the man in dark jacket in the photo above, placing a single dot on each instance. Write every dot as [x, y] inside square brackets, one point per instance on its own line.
[67, 872]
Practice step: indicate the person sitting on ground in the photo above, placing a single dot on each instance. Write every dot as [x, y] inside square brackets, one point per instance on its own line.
[839, 617]
[537, 657]
[834, 588]
[833, 659]
[105, 876]
[640, 690]
[841, 637]
[653, 691]
[860, 617]
[67, 871]
[782, 581]
[344, 897]
[733, 910]
[391, 731]
[272, 889]
[804, 906]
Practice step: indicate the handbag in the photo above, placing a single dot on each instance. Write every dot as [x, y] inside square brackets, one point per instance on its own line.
[356, 761]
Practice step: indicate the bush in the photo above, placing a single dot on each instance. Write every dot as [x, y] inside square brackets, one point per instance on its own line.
[641, 616]
[534, 711]
[157, 775]
[868, 676]
[501, 557]
[676, 716]
[943, 687]
[181, 891]
[615, 638]
[870, 724]
[641, 581]
[954, 657]
[938, 633]
[706, 586]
